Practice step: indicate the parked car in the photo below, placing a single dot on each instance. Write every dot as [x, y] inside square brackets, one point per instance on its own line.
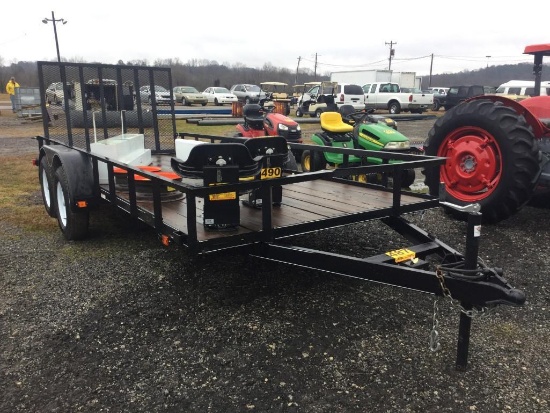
[162, 95]
[188, 95]
[519, 90]
[103, 81]
[440, 97]
[350, 94]
[248, 93]
[458, 94]
[54, 93]
[439, 90]
[219, 95]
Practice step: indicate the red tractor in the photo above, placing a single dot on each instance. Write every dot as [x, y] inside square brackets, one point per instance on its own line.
[498, 150]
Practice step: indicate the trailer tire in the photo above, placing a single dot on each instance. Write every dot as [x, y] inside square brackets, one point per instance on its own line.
[46, 187]
[73, 225]
[493, 159]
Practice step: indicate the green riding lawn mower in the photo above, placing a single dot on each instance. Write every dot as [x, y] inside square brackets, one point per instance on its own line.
[352, 129]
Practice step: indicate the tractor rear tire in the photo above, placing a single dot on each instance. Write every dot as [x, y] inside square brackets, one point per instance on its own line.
[73, 225]
[493, 159]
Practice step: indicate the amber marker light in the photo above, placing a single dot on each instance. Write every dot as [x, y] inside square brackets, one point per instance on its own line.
[165, 239]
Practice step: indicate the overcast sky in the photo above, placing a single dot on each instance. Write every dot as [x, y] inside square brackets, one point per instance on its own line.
[351, 35]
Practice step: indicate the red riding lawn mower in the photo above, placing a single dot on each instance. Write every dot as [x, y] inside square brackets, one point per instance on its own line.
[497, 150]
[261, 120]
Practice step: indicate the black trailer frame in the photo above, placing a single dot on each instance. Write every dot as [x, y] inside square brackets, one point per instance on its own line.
[311, 202]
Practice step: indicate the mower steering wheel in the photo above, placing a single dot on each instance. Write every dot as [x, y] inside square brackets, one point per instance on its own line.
[357, 117]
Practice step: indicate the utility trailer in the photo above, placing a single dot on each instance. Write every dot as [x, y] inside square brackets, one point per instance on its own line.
[209, 193]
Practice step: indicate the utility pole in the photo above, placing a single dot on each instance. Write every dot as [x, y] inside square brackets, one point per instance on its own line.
[297, 67]
[54, 21]
[431, 67]
[315, 70]
[392, 51]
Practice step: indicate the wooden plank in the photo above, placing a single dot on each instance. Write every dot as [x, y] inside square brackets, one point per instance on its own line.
[303, 202]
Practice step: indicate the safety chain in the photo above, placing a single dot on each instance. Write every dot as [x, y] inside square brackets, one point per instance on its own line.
[435, 344]
[455, 303]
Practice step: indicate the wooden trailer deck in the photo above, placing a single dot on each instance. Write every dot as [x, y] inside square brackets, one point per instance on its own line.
[310, 202]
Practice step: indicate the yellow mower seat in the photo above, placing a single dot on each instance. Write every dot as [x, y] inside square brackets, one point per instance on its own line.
[332, 122]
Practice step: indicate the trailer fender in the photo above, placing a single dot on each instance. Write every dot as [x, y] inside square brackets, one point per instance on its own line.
[79, 171]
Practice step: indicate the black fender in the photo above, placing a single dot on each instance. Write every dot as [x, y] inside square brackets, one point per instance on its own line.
[79, 170]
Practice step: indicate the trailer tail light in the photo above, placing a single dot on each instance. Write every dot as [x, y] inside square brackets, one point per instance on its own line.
[165, 240]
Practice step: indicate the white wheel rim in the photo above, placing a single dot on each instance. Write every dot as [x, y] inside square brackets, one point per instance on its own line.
[46, 188]
[61, 207]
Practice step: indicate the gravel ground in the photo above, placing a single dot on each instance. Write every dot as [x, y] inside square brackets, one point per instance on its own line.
[118, 323]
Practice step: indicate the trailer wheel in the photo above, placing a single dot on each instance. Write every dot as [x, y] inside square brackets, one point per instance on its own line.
[74, 225]
[312, 161]
[46, 187]
[493, 159]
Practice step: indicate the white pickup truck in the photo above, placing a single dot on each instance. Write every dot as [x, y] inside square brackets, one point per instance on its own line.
[388, 96]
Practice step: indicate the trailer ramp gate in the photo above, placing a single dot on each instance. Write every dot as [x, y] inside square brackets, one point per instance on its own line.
[194, 187]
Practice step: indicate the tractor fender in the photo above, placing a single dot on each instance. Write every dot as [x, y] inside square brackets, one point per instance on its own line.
[78, 168]
[532, 109]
